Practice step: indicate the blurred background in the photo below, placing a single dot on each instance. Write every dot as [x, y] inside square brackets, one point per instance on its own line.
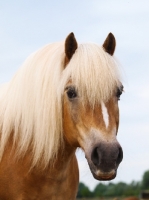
[26, 26]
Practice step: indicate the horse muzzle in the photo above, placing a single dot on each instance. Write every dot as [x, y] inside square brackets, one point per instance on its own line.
[104, 160]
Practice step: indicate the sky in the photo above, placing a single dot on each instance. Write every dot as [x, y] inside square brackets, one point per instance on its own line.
[26, 26]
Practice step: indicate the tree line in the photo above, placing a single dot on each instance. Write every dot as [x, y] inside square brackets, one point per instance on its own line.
[120, 189]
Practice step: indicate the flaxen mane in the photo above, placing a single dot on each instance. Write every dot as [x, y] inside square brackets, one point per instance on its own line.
[31, 103]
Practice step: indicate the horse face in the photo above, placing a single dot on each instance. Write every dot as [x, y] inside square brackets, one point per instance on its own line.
[94, 130]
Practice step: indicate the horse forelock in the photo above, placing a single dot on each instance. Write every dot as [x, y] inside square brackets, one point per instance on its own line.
[93, 72]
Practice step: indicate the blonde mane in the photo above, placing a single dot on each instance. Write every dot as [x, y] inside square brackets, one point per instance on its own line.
[31, 103]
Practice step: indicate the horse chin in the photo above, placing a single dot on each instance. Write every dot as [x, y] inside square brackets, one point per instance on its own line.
[104, 176]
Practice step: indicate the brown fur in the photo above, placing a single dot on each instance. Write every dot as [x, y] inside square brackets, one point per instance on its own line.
[77, 116]
[17, 182]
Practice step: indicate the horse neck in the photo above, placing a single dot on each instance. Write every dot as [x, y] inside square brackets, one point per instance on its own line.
[62, 167]
[64, 158]
[61, 174]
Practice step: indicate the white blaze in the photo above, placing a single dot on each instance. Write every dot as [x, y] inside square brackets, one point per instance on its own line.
[105, 114]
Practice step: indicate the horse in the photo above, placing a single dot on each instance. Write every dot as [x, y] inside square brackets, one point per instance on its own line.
[65, 96]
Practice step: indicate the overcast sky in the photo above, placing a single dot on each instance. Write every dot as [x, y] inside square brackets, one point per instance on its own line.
[26, 26]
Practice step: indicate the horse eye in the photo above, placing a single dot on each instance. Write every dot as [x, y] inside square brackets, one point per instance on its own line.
[71, 93]
[119, 92]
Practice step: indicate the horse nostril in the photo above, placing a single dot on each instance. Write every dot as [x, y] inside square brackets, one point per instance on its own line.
[120, 156]
[95, 156]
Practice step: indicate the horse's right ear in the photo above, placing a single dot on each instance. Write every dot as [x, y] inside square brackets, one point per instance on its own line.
[70, 46]
[109, 44]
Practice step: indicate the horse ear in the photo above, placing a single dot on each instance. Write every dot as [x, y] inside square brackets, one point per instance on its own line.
[110, 44]
[70, 46]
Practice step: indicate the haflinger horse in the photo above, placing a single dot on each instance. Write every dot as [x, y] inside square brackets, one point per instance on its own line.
[64, 96]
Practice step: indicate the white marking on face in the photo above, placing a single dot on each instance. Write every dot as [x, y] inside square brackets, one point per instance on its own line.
[105, 114]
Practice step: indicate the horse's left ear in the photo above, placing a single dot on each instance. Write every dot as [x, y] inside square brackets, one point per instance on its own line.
[110, 44]
[70, 46]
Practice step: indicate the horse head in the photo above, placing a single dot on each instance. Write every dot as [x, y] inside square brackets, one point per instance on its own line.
[90, 107]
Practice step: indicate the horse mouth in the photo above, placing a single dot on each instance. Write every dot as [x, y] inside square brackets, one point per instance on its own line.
[103, 176]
